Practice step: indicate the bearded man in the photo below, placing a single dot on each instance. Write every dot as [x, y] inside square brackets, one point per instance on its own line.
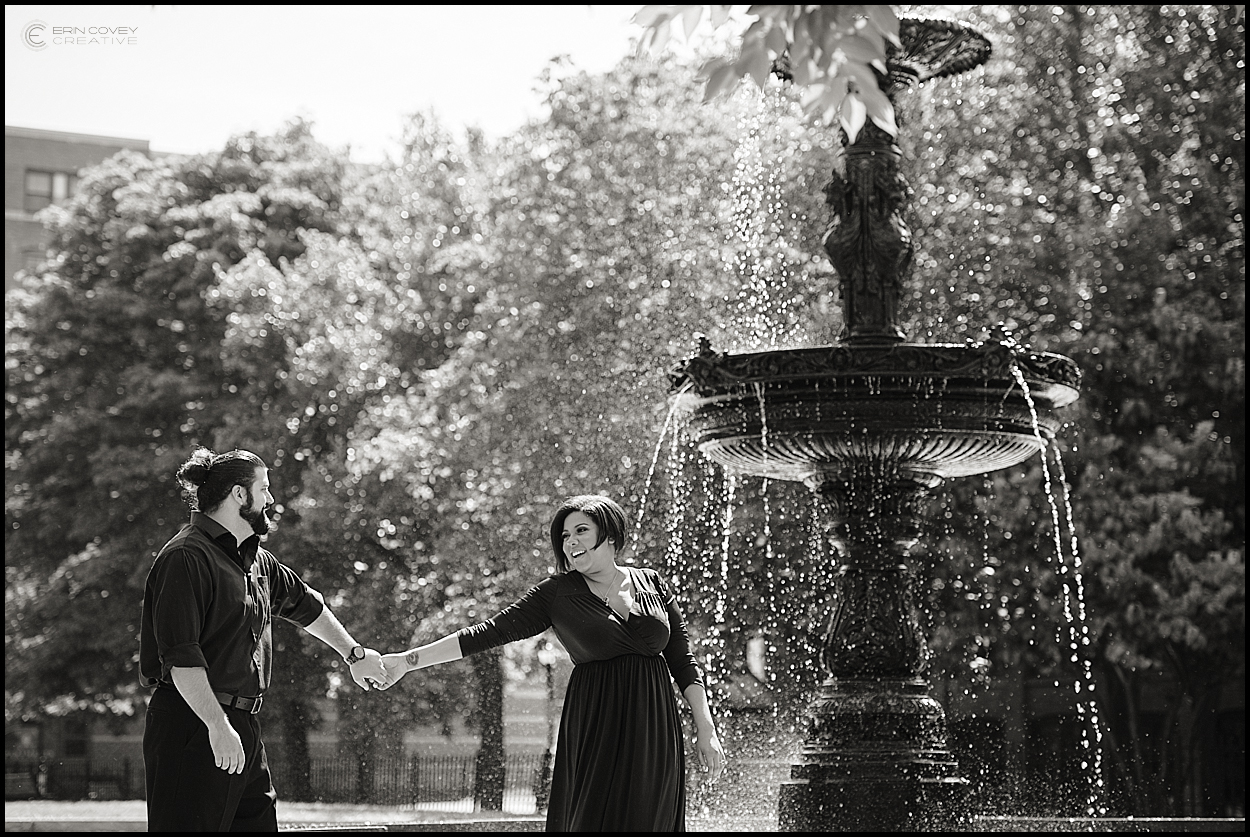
[205, 647]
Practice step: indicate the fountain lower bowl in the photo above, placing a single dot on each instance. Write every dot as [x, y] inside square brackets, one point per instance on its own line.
[927, 411]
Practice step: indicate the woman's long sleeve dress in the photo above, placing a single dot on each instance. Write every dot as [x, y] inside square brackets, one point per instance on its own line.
[620, 759]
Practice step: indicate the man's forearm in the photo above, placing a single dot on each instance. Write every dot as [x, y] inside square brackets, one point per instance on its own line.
[193, 685]
[330, 630]
[368, 671]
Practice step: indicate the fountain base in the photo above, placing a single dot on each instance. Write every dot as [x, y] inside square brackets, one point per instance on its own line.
[875, 759]
[872, 805]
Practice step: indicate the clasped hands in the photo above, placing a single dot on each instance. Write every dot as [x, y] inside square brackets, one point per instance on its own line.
[396, 666]
[378, 671]
[369, 672]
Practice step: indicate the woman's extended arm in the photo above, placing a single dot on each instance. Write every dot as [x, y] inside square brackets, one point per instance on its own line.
[443, 650]
[528, 616]
[711, 754]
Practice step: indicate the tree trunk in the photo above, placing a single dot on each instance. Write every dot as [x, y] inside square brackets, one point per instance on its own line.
[1196, 719]
[291, 711]
[1119, 706]
[489, 779]
[358, 737]
[365, 761]
[296, 723]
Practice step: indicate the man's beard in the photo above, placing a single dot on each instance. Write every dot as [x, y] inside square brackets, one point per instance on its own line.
[260, 523]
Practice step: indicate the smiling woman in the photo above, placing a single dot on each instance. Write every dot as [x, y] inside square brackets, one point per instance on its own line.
[620, 759]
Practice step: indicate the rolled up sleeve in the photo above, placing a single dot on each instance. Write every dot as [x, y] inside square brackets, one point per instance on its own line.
[180, 589]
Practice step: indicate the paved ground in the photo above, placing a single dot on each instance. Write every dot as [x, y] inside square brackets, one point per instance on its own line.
[46, 816]
[130, 815]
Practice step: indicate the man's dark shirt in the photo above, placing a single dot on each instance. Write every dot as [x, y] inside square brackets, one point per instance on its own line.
[209, 603]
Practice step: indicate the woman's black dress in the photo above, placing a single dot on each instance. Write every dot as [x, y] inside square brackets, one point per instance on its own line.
[620, 759]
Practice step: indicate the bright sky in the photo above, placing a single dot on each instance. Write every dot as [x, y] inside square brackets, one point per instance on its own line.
[186, 78]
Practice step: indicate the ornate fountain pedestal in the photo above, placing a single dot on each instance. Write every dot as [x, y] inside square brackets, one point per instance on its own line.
[875, 757]
[875, 760]
[871, 426]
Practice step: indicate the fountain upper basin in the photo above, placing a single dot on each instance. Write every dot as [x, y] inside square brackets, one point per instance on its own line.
[932, 411]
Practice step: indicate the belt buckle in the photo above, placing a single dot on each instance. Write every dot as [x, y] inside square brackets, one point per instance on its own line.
[249, 705]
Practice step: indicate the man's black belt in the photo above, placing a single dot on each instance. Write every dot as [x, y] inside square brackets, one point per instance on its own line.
[247, 704]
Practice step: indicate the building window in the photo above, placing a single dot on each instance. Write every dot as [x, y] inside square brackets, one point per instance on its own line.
[44, 188]
[32, 258]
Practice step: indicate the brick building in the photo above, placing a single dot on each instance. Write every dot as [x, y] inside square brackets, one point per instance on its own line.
[41, 168]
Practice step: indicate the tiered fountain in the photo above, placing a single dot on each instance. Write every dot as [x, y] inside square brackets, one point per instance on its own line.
[871, 425]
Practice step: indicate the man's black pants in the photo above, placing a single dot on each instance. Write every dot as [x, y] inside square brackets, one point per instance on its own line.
[187, 791]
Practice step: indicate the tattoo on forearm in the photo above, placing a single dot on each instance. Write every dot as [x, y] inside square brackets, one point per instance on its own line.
[412, 658]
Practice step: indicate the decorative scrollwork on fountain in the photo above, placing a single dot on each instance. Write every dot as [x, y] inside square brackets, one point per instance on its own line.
[711, 373]
[934, 48]
[868, 241]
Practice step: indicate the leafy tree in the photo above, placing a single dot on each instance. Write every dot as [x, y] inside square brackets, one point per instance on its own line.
[836, 53]
[171, 318]
[1108, 229]
[114, 371]
[1168, 412]
[363, 329]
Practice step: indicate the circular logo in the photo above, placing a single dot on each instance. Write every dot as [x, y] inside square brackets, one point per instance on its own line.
[32, 35]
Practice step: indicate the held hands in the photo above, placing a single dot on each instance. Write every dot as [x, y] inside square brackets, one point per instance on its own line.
[369, 671]
[379, 672]
[711, 755]
[396, 666]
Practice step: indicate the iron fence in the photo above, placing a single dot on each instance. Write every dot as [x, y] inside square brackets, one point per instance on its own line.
[404, 782]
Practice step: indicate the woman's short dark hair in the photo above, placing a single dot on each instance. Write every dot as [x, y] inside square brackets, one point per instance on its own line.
[206, 478]
[604, 511]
